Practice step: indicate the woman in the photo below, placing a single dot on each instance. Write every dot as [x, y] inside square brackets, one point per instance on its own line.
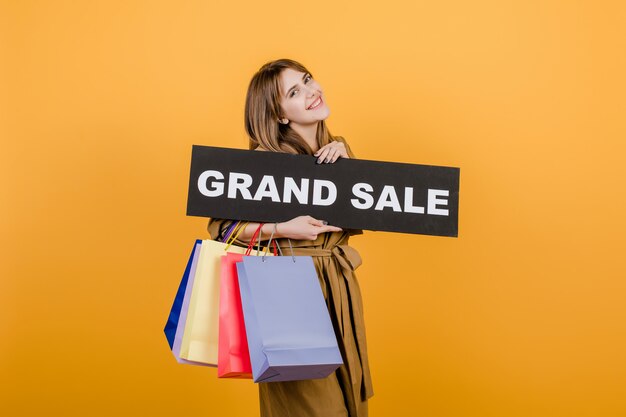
[285, 112]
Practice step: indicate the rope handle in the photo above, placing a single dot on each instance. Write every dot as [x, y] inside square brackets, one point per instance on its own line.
[253, 240]
[259, 233]
[268, 243]
[274, 242]
[229, 231]
[235, 234]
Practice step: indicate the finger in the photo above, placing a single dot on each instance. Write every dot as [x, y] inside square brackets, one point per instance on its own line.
[316, 222]
[323, 155]
[330, 228]
[332, 157]
[336, 157]
[344, 152]
[331, 145]
[320, 150]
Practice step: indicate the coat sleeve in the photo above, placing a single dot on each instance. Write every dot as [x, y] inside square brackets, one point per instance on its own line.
[217, 227]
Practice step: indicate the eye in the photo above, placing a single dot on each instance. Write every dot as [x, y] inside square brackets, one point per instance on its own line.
[293, 92]
[307, 79]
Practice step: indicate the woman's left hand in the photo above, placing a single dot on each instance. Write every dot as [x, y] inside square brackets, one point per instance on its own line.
[331, 152]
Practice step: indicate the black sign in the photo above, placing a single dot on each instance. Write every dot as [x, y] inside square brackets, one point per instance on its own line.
[351, 193]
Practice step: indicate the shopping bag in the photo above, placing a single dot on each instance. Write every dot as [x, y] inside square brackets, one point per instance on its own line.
[289, 332]
[200, 337]
[172, 325]
[233, 355]
[178, 315]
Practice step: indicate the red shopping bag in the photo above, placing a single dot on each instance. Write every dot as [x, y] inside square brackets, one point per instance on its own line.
[233, 357]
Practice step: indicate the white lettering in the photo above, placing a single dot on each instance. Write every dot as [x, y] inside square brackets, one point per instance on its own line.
[267, 188]
[318, 186]
[433, 201]
[408, 202]
[234, 184]
[360, 191]
[217, 188]
[301, 194]
[388, 198]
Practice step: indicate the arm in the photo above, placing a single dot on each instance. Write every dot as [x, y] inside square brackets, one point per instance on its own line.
[298, 228]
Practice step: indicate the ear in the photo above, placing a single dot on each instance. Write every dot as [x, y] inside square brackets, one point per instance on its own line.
[283, 121]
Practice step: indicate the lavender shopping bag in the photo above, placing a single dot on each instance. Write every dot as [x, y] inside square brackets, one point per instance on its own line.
[290, 335]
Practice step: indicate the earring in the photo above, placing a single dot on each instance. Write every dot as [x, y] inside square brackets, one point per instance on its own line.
[283, 121]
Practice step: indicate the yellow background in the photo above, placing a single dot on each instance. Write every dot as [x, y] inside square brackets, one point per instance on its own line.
[523, 315]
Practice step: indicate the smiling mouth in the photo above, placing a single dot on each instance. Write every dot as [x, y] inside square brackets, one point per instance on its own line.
[315, 104]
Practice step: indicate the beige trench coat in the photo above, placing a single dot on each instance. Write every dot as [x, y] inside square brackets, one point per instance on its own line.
[345, 392]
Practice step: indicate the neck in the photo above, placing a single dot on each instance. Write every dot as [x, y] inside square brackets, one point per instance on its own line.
[308, 133]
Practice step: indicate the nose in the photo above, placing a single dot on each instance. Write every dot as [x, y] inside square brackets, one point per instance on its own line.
[310, 90]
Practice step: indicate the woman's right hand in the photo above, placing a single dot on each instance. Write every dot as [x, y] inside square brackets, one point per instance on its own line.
[304, 228]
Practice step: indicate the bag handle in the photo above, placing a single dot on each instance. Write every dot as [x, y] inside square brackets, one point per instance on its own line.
[229, 231]
[268, 243]
[274, 242]
[235, 234]
[259, 233]
[253, 240]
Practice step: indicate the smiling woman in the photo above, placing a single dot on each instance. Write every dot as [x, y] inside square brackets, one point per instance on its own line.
[286, 109]
[285, 112]
[303, 103]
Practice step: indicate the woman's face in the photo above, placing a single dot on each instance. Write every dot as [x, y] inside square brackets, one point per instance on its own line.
[301, 99]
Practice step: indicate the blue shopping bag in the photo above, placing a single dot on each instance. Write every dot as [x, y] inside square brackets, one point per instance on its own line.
[175, 325]
[290, 335]
[173, 319]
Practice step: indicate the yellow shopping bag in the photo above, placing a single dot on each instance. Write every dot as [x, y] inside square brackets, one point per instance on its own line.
[200, 338]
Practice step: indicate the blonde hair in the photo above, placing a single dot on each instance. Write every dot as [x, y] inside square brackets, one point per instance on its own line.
[263, 110]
